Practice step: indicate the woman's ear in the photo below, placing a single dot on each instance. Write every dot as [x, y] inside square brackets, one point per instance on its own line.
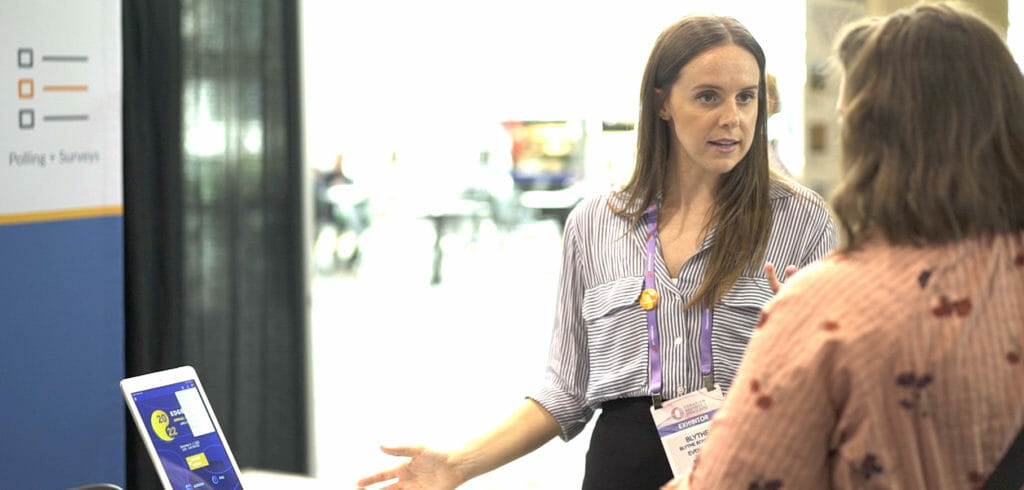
[663, 112]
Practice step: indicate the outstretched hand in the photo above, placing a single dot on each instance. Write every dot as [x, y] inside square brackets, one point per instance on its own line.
[426, 469]
[773, 279]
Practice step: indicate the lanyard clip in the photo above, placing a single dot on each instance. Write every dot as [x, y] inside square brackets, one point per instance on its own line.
[656, 400]
[709, 382]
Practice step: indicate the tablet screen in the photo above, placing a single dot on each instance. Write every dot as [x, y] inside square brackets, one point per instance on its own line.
[185, 438]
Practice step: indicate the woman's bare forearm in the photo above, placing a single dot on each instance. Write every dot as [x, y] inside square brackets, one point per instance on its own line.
[526, 429]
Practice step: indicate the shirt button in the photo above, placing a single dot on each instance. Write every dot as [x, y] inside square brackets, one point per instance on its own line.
[679, 340]
[680, 390]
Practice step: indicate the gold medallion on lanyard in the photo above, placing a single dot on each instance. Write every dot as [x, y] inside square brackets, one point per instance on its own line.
[649, 299]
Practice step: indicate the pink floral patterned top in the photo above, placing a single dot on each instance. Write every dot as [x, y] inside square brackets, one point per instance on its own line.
[890, 367]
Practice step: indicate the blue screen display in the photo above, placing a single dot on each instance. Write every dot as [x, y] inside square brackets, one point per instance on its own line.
[179, 424]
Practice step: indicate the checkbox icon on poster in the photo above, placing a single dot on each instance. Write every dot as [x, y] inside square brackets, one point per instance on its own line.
[26, 88]
[25, 58]
[26, 119]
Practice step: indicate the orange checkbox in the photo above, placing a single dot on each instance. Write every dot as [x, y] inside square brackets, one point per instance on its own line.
[26, 88]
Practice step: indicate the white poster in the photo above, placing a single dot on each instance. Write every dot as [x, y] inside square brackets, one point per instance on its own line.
[60, 115]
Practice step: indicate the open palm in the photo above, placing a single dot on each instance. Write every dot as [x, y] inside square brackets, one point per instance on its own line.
[426, 469]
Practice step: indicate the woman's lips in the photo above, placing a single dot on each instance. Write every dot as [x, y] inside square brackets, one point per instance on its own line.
[725, 146]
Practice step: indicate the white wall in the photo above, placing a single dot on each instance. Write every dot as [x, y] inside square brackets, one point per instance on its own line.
[1015, 32]
[380, 75]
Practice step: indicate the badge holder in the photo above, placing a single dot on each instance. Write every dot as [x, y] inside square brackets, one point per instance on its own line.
[683, 425]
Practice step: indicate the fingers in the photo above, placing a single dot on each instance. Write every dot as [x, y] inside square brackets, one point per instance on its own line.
[773, 280]
[404, 451]
[377, 478]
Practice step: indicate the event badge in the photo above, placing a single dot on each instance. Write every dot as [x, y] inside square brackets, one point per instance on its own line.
[683, 425]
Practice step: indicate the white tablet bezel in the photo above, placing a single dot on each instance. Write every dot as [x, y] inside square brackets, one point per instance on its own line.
[159, 379]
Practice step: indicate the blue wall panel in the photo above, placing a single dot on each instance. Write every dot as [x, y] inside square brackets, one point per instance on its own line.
[61, 353]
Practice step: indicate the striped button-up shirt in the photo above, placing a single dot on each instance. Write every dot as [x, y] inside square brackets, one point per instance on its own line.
[599, 344]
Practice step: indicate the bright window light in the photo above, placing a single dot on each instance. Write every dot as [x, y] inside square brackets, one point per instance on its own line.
[377, 73]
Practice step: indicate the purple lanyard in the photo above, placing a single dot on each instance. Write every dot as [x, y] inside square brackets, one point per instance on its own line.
[706, 319]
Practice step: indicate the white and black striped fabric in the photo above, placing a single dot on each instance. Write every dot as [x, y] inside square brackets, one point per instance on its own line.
[599, 344]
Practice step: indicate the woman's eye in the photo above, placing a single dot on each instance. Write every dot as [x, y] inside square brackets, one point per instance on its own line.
[746, 98]
[707, 97]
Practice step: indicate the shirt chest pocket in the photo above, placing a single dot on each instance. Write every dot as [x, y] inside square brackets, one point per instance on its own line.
[747, 296]
[735, 317]
[616, 329]
[608, 299]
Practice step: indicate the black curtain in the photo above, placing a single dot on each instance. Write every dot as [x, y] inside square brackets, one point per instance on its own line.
[214, 247]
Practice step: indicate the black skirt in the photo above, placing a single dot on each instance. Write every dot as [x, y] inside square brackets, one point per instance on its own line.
[625, 451]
